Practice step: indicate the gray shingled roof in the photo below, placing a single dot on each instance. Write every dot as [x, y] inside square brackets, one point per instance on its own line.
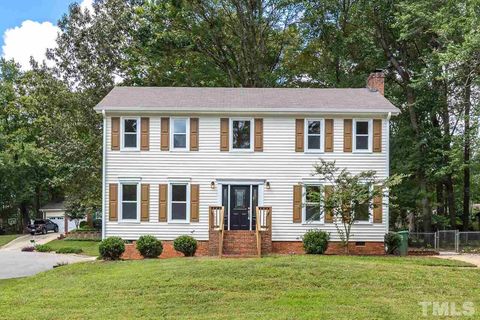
[211, 100]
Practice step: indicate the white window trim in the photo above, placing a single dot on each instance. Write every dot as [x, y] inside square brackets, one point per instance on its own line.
[170, 202]
[304, 207]
[252, 136]
[120, 200]
[370, 135]
[122, 133]
[187, 133]
[322, 136]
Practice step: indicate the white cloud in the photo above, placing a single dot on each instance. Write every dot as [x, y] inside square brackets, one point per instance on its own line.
[30, 39]
[87, 4]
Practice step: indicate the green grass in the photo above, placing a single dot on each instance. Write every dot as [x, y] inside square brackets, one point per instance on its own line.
[278, 287]
[89, 248]
[4, 239]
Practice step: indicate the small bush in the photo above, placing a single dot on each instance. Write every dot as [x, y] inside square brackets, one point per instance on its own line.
[149, 246]
[69, 250]
[111, 248]
[315, 241]
[43, 248]
[392, 242]
[83, 224]
[28, 249]
[186, 245]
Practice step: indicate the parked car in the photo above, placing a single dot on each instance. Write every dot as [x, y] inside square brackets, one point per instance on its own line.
[42, 226]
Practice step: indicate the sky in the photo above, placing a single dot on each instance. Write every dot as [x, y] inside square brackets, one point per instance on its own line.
[29, 27]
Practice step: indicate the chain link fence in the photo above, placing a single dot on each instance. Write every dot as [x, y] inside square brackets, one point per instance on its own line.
[445, 240]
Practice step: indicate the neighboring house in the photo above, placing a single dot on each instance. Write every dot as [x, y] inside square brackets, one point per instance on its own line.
[55, 211]
[175, 157]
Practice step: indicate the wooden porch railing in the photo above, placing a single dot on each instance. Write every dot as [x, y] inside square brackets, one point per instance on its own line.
[217, 223]
[264, 223]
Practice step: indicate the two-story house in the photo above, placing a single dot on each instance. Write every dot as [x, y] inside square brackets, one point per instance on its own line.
[220, 164]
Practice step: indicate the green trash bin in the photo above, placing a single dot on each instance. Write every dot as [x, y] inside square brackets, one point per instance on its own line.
[403, 248]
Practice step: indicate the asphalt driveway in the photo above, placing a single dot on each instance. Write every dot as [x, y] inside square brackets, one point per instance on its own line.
[14, 263]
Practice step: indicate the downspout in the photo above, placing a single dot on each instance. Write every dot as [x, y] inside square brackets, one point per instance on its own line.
[388, 169]
[104, 176]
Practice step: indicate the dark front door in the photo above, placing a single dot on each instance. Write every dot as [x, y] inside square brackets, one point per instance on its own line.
[240, 208]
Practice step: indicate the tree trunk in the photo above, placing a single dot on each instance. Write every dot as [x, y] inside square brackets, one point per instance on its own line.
[451, 201]
[25, 216]
[466, 160]
[440, 199]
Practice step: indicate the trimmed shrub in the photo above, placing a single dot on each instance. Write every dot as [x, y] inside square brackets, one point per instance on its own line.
[111, 248]
[69, 250]
[149, 246]
[43, 248]
[315, 241]
[83, 224]
[392, 242]
[186, 245]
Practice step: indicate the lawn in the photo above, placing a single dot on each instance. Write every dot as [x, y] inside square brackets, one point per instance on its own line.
[4, 239]
[278, 287]
[90, 248]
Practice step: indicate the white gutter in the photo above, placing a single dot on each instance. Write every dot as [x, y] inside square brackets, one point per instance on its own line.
[104, 177]
[388, 170]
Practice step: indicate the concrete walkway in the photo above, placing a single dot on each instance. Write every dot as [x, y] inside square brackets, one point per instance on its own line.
[25, 241]
[14, 263]
[465, 257]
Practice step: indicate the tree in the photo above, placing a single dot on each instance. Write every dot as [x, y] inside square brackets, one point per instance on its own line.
[348, 193]
[76, 213]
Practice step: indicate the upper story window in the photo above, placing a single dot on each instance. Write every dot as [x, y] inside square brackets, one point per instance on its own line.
[129, 201]
[179, 138]
[130, 133]
[179, 204]
[241, 137]
[314, 133]
[313, 208]
[362, 130]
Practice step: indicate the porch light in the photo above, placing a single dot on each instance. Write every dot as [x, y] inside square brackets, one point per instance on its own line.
[267, 185]
[212, 184]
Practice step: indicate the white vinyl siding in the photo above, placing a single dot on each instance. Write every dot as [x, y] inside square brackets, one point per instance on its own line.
[278, 164]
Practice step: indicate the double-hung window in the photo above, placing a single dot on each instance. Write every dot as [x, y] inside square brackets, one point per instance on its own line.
[179, 204]
[362, 130]
[362, 210]
[314, 133]
[179, 137]
[130, 133]
[129, 201]
[313, 204]
[241, 134]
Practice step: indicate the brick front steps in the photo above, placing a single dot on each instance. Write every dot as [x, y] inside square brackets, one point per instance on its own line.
[239, 243]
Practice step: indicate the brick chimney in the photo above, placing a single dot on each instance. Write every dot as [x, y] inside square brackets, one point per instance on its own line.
[375, 81]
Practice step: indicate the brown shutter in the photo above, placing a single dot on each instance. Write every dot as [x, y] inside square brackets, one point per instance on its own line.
[162, 202]
[194, 202]
[259, 135]
[377, 207]
[297, 203]
[224, 123]
[377, 135]
[328, 213]
[145, 135]
[115, 133]
[299, 131]
[193, 134]
[347, 135]
[113, 202]
[328, 135]
[145, 205]
[165, 136]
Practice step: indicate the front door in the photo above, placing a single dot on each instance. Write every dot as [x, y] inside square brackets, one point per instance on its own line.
[240, 208]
